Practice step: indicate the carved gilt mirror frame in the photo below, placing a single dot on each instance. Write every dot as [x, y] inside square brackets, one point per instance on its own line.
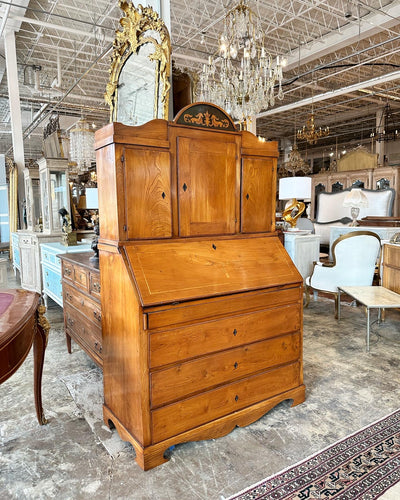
[140, 63]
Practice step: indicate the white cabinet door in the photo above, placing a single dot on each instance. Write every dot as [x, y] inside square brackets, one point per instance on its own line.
[30, 263]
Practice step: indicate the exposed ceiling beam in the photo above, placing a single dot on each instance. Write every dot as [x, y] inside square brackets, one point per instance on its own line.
[395, 75]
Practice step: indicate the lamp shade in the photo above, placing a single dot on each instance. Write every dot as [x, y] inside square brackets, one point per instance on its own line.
[355, 198]
[294, 187]
[92, 199]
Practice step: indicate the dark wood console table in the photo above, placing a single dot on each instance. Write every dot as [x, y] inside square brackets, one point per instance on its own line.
[22, 323]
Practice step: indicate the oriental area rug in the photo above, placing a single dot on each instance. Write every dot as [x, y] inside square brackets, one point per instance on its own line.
[361, 466]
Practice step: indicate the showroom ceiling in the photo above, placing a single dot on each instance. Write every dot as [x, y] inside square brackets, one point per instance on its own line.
[343, 61]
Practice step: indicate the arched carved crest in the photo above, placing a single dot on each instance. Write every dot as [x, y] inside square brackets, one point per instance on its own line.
[140, 63]
[205, 115]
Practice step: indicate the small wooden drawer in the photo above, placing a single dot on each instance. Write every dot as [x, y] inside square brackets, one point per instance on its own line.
[94, 285]
[86, 305]
[81, 276]
[67, 270]
[194, 376]
[179, 417]
[79, 328]
[165, 316]
[186, 342]
[391, 255]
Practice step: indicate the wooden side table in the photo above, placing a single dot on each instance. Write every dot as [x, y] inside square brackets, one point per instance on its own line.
[22, 323]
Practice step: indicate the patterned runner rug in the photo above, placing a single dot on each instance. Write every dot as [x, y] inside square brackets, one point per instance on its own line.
[361, 466]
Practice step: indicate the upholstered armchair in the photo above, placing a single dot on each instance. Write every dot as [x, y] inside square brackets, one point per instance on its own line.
[355, 257]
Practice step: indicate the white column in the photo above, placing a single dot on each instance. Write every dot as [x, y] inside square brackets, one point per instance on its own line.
[380, 145]
[166, 13]
[15, 112]
[251, 124]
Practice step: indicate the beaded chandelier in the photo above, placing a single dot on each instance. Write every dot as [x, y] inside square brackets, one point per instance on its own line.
[82, 146]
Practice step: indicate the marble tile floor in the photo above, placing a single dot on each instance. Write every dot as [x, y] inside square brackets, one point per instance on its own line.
[75, 456]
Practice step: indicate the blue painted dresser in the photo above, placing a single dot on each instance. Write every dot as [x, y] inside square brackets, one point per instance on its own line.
[51, 268]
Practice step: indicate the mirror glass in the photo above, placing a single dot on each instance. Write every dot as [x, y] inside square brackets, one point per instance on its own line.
[136, 88]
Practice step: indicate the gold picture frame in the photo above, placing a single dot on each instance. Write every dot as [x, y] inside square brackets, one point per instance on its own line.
[140, 67]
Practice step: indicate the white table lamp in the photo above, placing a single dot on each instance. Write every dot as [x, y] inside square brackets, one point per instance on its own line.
[355, 199]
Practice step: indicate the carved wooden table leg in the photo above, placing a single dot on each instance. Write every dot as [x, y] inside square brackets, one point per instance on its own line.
[39, 347]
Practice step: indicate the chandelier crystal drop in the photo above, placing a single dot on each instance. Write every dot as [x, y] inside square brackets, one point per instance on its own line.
[310, 132]
[242, 79]
[82, 152]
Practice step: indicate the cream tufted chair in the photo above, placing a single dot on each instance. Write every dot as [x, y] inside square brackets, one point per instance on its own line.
[355, 256]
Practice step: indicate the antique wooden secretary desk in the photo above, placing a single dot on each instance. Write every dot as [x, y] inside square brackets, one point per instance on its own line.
[201, 304]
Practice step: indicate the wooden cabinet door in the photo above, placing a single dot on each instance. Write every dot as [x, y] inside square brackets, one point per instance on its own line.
[206, 185]
[257, 201]
[148, 193]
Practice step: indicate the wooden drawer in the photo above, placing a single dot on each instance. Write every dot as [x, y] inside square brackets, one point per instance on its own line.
[391, 278]
[199, 339]
[94, 285]
[178, 417]
[391, 255]
[83, 332]
[188, 378]
[81, 278]
[67, 271]
[86, 305]
[223, 306]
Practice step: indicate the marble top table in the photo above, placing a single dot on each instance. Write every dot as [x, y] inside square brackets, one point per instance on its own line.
[372, 297]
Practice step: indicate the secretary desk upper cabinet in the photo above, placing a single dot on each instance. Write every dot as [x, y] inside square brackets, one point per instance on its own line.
[201, 304]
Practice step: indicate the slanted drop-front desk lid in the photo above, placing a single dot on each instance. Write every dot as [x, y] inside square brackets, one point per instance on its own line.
[171, 271]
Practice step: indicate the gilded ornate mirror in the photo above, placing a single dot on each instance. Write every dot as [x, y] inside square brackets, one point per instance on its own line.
[138, 88]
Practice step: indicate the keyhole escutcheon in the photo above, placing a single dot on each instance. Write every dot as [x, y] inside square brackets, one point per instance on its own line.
[184, 187]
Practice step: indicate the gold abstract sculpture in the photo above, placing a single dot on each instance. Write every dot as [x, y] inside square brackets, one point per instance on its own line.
[143, 37]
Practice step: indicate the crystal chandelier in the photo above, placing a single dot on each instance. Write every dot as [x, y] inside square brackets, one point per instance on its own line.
[82, 146]
[295, 164]
[245, 80]
[310, 132]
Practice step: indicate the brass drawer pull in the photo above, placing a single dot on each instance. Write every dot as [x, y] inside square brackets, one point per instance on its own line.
[96, 287]
[70, 321]
[98, 347]
[67, 272]
[97, 315]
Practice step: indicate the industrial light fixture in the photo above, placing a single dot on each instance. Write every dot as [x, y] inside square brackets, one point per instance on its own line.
[387, 130]
[245, 80]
